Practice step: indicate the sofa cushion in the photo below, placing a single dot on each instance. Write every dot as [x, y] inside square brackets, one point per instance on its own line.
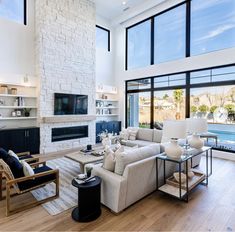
[15, 166]
[139, 143]
[157, 136]
[125, 158]
[3, 154]
[39, 180]
[145, 134]
[124, 134]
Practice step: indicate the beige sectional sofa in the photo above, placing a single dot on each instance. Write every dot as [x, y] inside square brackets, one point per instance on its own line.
[145, 137]
[134, 177]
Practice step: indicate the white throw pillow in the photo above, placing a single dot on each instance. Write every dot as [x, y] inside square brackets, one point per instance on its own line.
[132, 133]
[124, 134]
[12, 153]
[110, 158]
[28, 171]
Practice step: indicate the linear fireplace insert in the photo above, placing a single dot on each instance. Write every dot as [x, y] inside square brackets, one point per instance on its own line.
[67, 133]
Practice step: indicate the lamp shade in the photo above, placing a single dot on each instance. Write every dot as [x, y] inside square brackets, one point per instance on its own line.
[196, 125]
[174, 129]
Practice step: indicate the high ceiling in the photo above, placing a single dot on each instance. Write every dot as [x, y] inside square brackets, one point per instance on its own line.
[111, 9]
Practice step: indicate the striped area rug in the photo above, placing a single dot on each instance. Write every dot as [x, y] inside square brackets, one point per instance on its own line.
[68, 194]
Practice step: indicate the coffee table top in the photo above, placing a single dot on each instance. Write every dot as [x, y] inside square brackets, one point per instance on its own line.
[84, 158]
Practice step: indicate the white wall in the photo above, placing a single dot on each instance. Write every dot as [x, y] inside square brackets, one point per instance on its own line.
[17, 45]
[104, 58]
[221, 57]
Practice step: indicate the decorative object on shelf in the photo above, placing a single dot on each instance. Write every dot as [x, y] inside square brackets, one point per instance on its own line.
[4, 89]
[196, 126]
[18, 113]
[105, 138]
[14, 91]
[27, 112]
[2, 102]
[13, 114]
[177, 178]
[174, 130]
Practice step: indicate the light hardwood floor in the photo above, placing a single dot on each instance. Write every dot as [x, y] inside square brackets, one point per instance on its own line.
[210, 208]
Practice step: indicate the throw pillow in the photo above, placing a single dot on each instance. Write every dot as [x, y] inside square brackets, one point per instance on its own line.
[124, 134]
[28, 171]
[132, 133]
[110, 158]
[15, 166]
[12, 153]
[3, 154]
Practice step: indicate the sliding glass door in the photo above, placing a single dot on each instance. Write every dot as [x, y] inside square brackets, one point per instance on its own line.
[138, 109]
[169, 104]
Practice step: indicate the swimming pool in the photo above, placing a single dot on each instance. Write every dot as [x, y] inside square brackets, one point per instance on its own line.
[225, 136]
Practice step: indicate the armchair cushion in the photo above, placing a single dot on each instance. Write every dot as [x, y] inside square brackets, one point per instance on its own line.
[3, 154]
[12, 153]
[37, 181]
[15, 166]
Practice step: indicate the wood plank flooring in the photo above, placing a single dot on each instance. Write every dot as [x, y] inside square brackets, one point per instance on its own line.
[210, 208]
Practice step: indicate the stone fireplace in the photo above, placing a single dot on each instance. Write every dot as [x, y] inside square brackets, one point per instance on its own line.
[65, 63]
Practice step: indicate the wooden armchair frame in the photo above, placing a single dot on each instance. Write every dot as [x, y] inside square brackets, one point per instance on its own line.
[2, 177]
[12, 182]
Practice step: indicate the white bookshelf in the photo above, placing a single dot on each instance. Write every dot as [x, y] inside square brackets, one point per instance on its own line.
[107, 105]
[27, 99]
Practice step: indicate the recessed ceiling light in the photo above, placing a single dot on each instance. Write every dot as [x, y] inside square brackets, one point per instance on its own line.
[123, 2]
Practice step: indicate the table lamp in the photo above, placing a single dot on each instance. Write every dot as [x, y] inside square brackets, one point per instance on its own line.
[196, 126]
[174, 130]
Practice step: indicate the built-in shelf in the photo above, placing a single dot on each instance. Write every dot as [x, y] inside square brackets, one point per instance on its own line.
[16, 118]
[17, 95]
[18, 107]
[107, 115]
[106, 100]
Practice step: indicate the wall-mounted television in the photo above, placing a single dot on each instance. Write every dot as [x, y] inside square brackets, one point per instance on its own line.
[69, 104]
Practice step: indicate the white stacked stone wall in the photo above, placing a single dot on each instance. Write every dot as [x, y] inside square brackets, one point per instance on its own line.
[65, 62]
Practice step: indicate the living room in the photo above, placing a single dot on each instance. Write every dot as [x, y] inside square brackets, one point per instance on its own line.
[117, 115]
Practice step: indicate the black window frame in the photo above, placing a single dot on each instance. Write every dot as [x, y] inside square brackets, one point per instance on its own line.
[107, 30]
[25, 12]
[151, 18]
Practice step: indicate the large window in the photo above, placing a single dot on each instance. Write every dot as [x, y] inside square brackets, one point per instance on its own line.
[102, 38]
[190, 28]
[138, 43]
[14, 10]
[169, 105]
[212, 25]
[170, 35]
[208, 93]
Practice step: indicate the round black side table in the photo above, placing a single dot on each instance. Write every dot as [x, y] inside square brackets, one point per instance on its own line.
[89, 207]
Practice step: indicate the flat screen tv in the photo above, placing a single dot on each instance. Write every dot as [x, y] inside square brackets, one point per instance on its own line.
[69, 104]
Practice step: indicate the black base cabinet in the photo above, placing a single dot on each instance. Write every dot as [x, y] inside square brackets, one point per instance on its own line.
[20, 140]
[111, 127]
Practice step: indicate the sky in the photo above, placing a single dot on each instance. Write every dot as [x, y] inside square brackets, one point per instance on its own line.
[12, 10]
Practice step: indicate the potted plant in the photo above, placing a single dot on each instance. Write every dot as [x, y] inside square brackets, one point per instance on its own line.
[26, 112]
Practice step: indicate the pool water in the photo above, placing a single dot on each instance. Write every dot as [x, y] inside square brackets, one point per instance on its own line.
[225, 136]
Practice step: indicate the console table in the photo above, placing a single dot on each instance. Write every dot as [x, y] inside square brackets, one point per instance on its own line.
[179, 189]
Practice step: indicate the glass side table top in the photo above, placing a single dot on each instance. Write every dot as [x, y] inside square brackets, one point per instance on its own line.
[188, 154]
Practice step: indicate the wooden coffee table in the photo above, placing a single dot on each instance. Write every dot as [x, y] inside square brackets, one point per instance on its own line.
[84, 158]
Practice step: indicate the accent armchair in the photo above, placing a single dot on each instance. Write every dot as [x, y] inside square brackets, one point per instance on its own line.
[43, 175]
